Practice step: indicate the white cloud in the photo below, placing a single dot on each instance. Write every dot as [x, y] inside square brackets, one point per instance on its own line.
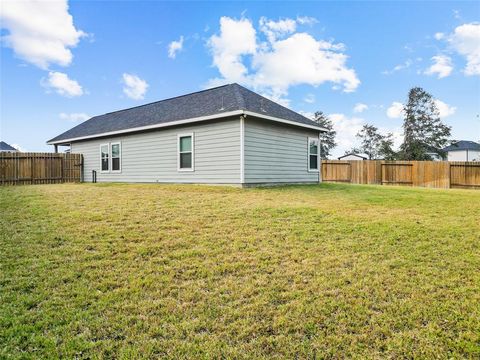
[62, 84]
[442, 65]
[277, 29]
[359, 107]
[278, 68]
[397, 133]
[40, 32]
[236, 39]
[134, 87]
[439, 36]
[274, 65]
[399, 67]
[466, 41]
[347, 129]
[306, 20]
[310, 98]
[74, 117]
[19, 148]
[444, 109]
[395, 111]
[308, 114]
[174, 47]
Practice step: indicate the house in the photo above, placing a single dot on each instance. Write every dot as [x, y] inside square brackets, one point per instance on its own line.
[463, 151]
[352, 156]
[4, 147]
[223, 135]
[434, 155]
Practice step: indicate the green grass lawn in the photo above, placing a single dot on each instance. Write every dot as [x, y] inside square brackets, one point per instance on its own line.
[325, 271]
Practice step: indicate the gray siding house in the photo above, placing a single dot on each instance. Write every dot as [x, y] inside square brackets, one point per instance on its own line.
[224, 135]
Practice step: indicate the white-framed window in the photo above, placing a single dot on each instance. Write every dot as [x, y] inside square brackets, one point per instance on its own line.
[111, 157]
[116, 156]
[105, 157]
[313, 154]
[186, 153]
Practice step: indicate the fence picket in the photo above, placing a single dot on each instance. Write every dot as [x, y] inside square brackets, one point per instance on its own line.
[434, 174]
[39, 168]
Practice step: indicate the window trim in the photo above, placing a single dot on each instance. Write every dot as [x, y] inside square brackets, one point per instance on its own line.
[179, 136]
[308, 154]
[108, 162]
[119, 143]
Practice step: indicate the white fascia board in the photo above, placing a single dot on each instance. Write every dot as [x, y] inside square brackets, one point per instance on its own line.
[185, 121]
[294, 123]
[149, 127]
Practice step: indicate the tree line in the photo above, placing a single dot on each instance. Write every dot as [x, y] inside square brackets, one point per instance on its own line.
[423, 131]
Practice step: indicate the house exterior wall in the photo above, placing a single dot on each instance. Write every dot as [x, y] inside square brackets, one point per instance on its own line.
[461, 155]
[276, 153]
[153, 157]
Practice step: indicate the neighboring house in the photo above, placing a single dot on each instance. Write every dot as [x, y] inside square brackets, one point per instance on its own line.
[6, 147]
[463, 151]
[224, 135]
[353, 156]
[434, 155]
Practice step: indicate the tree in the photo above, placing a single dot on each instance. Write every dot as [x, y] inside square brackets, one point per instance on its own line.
[385, 150]
[370, 140]
[374, 144]
[327, 139]
[423, 129]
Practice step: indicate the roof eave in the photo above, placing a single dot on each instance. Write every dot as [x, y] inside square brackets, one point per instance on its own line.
[290, 122]
[182, 122]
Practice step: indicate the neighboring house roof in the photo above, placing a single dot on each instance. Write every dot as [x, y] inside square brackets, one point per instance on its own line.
[5, 147]
[353, 154]
[463, 145]
[222, 101]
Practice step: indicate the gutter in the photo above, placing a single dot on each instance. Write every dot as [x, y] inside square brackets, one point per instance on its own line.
[187, 121]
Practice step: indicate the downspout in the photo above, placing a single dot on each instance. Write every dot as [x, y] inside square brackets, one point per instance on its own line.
[242, 149]
[319, 159]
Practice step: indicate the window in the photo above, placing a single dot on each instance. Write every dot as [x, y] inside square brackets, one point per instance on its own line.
[116, 155]
[111, 157]
[313, 156]
[185, 152]
[104, 156]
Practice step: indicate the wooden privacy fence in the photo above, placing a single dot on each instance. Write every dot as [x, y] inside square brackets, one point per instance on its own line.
[435, 174]
[39, 168]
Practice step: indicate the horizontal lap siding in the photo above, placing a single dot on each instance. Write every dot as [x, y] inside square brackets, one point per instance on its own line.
[276, 153]
[152, 156]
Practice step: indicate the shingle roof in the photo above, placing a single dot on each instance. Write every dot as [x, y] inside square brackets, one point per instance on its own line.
[5, 147]
[463, 145]
[354, 154]
[215, 101]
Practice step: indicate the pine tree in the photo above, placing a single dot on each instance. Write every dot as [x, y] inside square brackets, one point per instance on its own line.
[327, 139]
[423, 129]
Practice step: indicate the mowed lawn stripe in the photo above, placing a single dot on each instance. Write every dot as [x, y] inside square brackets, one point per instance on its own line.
[331, 270]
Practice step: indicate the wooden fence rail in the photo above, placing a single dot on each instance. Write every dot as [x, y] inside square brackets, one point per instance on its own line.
[39, 168]
[434, 174]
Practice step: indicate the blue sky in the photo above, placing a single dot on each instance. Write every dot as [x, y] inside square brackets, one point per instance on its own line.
[62, 63]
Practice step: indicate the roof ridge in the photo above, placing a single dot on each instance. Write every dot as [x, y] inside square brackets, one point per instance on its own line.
[273, 102]
[238, 95]
[170, 98]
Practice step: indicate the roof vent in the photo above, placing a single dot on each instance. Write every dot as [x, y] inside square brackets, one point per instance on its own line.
[261, 106]
[222, 108]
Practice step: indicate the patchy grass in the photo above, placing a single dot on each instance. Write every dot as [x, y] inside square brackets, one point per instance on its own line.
[329, 271]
